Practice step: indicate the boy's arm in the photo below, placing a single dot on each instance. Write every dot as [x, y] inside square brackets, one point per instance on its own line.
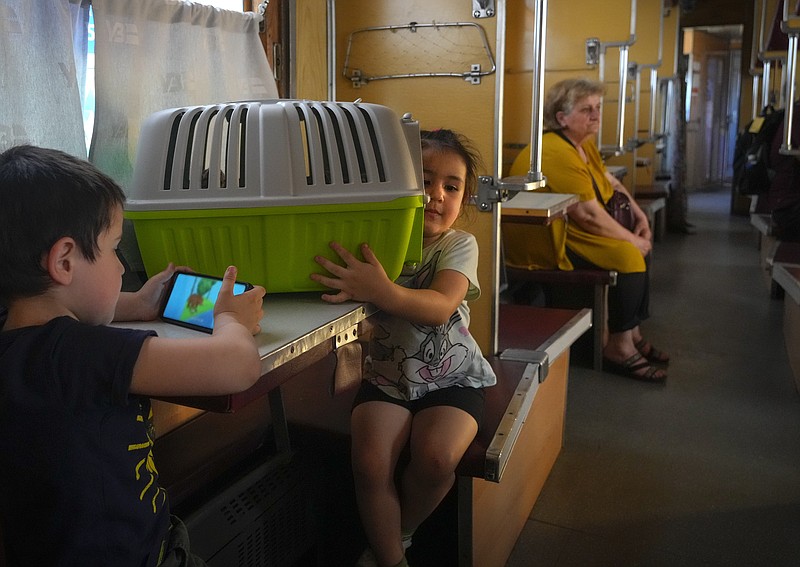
[223, 363]
[367, 281]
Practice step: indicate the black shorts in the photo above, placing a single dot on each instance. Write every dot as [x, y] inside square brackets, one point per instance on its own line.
[471, 400]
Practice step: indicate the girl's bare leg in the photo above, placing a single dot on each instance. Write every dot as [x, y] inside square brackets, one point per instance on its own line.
[439, 437]
[379, 432]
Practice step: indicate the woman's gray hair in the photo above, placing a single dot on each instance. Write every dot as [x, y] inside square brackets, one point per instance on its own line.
[564, 95]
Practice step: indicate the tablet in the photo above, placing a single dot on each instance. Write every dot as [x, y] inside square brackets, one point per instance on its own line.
[190, 300]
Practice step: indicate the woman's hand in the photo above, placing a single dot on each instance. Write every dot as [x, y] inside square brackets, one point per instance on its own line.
[641, 226]
[645, 245]
[593, 218]
[356, 280]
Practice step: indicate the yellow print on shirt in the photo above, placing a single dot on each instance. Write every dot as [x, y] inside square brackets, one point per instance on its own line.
[147, 466]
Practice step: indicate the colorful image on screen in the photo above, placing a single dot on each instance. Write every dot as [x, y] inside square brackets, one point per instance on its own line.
[193, 297]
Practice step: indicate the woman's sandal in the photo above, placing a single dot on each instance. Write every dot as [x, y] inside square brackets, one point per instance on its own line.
[651, 353]
[631, 366]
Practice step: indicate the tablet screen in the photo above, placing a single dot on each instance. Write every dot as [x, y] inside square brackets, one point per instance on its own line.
[191, 298]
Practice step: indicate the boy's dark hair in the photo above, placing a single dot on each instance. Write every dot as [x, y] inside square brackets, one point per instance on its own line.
[448, 140]
[45, 195]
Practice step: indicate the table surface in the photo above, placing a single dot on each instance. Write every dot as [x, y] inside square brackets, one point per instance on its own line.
[293, 323]
[538, 205]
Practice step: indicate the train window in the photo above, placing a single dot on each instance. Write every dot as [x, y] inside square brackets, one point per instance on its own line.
[224, 4]
[87, 90]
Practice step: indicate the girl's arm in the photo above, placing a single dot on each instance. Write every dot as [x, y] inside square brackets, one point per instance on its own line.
[223, 363]
[367, 281]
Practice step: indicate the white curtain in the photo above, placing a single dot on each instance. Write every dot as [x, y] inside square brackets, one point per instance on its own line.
[157, 54]
[40, 102]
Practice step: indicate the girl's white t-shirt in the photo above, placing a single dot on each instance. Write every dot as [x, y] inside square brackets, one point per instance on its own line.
[408, 360]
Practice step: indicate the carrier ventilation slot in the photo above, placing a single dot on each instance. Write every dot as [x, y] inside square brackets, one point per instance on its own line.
[187, 159]
[173, 138]
[375, 148]
[213, 137]
[306, 149]
[362, 166]
[331, 129]
[339, 145]
[326, 160]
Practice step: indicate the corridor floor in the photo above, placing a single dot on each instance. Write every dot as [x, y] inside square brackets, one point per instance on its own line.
[705, 469]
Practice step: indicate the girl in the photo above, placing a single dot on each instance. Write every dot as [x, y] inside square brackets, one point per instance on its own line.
[424, 377]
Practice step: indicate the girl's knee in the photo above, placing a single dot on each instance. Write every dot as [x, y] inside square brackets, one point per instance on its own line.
[435, 463]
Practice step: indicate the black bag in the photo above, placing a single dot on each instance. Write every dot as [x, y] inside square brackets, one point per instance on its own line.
[619, 207]
[752, 173]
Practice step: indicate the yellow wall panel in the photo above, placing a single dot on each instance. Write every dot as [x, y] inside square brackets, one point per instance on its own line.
[311, 41]
[435, 102]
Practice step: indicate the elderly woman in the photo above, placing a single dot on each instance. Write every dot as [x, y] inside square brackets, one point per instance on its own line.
[572, 164]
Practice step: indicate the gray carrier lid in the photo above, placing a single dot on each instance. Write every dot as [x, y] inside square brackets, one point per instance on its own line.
[274, 153]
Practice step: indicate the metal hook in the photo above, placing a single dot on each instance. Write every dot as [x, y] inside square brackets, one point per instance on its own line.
[262, 11]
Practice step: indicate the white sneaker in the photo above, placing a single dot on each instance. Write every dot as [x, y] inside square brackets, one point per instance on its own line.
[367, 559]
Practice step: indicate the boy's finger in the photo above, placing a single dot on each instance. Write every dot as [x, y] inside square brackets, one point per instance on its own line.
[228, 280]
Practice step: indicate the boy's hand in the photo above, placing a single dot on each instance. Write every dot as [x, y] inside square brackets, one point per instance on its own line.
[143, 305]
[245, 308]
[357, 280]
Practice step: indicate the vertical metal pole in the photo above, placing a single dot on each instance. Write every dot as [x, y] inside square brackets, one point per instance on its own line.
[537, 91]
[789, 73]
[499, 96]
[765, 77]
[623, 87]
[653, 102]
[601, 76]
[331, 50]
[755, 95]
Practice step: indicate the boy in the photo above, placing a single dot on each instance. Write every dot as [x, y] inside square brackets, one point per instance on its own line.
[78, 485]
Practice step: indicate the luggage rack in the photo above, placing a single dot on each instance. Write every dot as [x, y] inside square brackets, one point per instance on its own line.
[414, 41]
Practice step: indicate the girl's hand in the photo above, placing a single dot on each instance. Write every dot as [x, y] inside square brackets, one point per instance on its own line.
[143, 305]
[356, 280]
[245, 308]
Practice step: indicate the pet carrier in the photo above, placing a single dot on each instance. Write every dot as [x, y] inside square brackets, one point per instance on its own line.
[266, 185]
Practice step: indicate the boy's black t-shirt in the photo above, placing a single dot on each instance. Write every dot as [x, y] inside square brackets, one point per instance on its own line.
[78, 485]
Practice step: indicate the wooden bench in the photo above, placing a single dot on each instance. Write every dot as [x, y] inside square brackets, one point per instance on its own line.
[525, 412]
[786, 274]
[560, 290]
[762, 223]
[505, 467]
[653, 200]
[656, 210]
[768, 244]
